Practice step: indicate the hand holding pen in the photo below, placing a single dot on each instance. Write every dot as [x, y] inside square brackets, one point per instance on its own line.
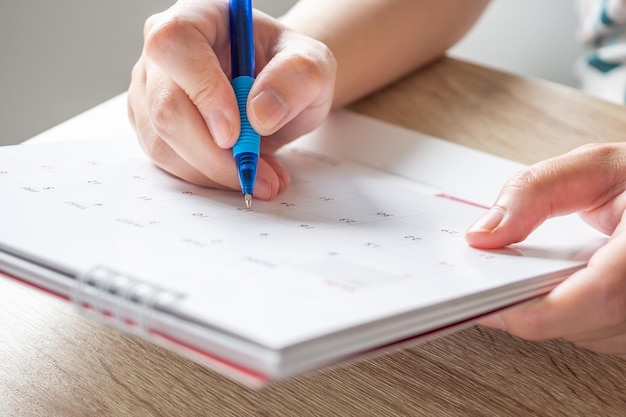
[183, 106]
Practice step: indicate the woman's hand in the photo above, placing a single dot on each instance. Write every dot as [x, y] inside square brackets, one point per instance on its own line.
[589, 307]
[321, 53]
[183, 108]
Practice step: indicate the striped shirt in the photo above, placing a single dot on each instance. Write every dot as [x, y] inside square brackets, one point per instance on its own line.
[602, 70]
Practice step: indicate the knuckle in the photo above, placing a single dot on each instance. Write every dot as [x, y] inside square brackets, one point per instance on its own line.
[597, 150]
[308, 66]
[326, 56]
[138, 72]
[525, 180]
[609, 155]
[612, 299]
[151, 22]
[162, 38]
[331, 60]
[157, 150]
[165, 113]
[205, 95]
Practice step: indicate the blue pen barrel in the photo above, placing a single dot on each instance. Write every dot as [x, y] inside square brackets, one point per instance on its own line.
[246, 150]
[248, 146]
[247, 163]
[241, 38]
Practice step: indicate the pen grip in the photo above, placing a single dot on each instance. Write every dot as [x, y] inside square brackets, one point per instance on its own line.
[249, 140]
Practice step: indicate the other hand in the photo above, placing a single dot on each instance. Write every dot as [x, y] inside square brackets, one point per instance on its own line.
[589, 307]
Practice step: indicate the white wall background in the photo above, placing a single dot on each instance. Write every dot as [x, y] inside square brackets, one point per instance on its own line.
[59, 58]
[536, 38]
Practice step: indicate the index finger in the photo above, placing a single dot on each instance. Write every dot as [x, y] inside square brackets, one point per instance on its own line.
[582, 180]
[183, 47]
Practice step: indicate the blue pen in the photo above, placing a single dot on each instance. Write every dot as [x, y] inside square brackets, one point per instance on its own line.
[246, 150]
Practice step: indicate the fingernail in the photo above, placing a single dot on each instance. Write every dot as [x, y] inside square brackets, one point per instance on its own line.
[488, 222]
[262, 189]
[495, 321]
[268, 109]
[220, 128]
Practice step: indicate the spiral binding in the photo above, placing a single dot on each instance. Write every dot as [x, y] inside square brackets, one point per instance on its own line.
[119, 300]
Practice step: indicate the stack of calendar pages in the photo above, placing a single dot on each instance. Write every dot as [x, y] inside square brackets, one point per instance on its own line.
[363, 252]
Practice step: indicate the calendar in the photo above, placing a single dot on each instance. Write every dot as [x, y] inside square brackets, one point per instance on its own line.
[365, 248]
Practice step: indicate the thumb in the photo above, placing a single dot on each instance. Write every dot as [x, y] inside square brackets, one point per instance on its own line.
[581, 180]
[298, 82]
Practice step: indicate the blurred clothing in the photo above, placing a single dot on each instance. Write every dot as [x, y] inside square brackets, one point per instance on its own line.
[602, 70]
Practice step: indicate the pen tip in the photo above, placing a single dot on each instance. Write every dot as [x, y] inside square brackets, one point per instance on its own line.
[248, 198]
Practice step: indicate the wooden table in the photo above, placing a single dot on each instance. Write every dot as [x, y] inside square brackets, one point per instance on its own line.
[56, 363]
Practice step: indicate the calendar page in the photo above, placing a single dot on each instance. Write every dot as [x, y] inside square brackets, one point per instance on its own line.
[371, 228]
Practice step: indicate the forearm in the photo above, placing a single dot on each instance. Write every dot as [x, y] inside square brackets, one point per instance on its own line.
[378, 41]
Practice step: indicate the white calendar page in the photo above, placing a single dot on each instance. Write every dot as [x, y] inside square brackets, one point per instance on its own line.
[346, 246]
